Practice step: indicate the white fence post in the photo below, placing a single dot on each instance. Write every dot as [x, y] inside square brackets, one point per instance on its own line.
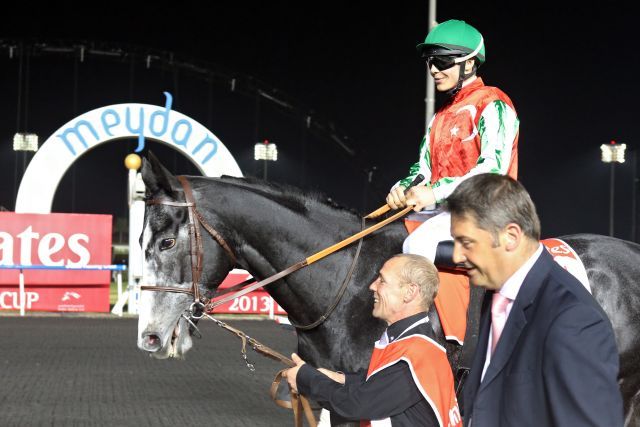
[22, 296]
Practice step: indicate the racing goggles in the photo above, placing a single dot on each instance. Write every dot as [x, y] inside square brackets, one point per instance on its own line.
[442, 62]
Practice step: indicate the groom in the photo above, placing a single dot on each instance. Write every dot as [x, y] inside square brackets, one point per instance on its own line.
[409, 380]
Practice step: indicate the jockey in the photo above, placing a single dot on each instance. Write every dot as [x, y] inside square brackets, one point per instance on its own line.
[475, 131]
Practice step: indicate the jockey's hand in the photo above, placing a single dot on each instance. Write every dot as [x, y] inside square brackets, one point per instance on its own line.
[291, 373]
[421, 197]
[396, 198]
[336, 376]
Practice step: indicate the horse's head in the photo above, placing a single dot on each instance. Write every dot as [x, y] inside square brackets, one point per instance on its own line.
[171, 253]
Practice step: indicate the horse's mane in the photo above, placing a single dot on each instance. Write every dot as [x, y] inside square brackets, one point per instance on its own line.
[286, 195]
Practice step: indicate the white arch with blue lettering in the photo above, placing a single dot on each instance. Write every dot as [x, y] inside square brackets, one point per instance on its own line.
[87, 131]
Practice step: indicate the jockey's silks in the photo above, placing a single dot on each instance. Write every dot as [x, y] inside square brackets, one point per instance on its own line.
[455, 143]
[476, 132]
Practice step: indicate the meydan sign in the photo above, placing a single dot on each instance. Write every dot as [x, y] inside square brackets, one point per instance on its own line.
[42, 177]
[140, 121]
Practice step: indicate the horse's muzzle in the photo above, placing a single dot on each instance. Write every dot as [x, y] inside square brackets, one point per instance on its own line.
[151, 342]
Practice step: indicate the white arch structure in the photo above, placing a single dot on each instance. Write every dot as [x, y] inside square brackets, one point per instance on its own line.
[96, 127]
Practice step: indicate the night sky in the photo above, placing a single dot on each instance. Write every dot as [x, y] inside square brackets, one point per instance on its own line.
[570, 71]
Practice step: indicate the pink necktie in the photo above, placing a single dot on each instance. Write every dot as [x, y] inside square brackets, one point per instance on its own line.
[498, 317]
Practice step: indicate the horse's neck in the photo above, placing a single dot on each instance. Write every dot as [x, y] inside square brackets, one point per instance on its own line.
[270, 236]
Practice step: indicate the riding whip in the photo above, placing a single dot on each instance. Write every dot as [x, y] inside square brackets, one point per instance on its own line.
[385, 208]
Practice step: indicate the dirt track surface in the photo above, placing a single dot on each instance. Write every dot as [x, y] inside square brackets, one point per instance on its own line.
[79, 371]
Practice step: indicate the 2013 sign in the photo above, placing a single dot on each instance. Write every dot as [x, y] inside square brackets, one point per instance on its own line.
[256, 302]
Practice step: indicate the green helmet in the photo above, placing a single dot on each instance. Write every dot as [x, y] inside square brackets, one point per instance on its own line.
[453, 37]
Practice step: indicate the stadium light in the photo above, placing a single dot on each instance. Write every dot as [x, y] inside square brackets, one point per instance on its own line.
[612, 153]
[23, 141]
[266, 152]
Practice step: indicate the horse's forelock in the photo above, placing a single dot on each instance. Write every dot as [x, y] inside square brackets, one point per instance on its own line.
[165, 217]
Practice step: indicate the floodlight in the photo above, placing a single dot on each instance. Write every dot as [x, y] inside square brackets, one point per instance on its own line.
[265, 151]
[23, 141]
[613, 152]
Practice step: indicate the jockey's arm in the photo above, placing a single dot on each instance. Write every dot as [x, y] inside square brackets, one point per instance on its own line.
[396, 199]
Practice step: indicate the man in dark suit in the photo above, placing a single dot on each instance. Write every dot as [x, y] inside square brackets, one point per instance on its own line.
[546, 353]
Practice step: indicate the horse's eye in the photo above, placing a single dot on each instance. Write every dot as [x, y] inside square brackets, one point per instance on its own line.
[167, 244]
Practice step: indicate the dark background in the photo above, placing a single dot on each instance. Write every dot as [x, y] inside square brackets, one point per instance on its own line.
[570, 70]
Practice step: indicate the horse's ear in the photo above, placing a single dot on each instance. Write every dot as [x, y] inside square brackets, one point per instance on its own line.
[157, 179]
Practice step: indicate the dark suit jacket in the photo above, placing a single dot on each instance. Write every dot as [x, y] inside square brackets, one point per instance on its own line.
[556, 363]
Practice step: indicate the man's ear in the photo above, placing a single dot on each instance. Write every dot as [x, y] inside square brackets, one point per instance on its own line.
[410, 292]
[512, 236]
[468, 65]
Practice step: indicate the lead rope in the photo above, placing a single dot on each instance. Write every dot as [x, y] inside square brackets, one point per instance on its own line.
[299, 403]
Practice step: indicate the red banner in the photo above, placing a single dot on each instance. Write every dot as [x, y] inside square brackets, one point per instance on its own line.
[57, 298]
[71, 240]
[256, 302]
[55, 240]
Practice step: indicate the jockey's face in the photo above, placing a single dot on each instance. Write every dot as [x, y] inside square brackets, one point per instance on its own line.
[447, 79]
[389, 292]
[481, 252]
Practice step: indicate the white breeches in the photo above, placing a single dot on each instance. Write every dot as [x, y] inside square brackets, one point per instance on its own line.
[424, 240]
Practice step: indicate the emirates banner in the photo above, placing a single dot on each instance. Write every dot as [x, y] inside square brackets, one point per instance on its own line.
[57, 240]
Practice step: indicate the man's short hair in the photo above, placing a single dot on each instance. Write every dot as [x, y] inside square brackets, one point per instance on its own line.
[420, 271]
[494, 201]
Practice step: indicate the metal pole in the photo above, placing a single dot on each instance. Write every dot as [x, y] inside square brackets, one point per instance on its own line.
[264, 176]
[611, 198]
[367, 185]
[431, 90]
[634, 164]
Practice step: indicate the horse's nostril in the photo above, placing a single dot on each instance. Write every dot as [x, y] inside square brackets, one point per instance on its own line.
[151, 342]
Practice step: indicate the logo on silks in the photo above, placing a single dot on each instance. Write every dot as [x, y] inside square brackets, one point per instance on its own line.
[139, 119]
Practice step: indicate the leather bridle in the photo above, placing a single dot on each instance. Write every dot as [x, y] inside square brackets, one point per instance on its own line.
[196, 251]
